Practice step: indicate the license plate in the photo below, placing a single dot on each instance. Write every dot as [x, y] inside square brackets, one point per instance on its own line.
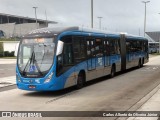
[32, 86]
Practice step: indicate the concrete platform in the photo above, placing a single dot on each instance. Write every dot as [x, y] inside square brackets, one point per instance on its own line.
[7, 61]
[152, 104]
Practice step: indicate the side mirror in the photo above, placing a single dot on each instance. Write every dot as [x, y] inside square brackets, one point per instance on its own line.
[59, 48]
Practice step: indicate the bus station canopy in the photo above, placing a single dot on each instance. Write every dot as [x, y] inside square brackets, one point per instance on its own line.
[155, 36]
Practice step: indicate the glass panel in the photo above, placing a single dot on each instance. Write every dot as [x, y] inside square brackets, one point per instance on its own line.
[26, 54]
[79, 49]
[99, 47]
[68, 54]
[37, 52]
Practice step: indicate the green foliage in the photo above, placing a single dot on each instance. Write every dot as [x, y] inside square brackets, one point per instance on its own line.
[8, 54]
[9, 39]
[155, 54]
[5, 53]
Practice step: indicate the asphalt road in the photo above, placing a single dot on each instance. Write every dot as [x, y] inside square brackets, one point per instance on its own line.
[7, 70]
[120, 93]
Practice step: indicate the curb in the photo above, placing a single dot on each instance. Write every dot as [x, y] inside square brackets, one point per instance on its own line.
[140, 103]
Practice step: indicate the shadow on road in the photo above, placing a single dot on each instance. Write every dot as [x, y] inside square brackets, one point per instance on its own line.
[50, 93]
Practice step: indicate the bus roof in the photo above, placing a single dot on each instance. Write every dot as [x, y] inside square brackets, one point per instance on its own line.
[135, 37]
[57, 30]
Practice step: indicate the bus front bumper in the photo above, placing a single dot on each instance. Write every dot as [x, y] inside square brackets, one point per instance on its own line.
[39, 87]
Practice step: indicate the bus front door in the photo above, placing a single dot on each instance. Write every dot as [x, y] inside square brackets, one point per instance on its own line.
[91, 62]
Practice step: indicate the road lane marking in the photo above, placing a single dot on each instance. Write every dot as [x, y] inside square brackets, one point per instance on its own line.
[10, 87]
[61, 96]
[6, 81]
[5, 69]
[151, 68]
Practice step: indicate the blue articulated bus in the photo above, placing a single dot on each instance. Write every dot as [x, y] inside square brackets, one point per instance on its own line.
[51, 59]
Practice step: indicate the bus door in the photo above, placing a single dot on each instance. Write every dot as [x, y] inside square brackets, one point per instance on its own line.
[91, 62]
[106, 53]
[99, 57]
[130, 54]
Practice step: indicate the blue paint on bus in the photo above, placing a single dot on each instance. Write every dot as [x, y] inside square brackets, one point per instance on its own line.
[51, 81]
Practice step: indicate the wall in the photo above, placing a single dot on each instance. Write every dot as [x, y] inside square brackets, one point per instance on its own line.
[21, 29]
[7, 29]
[10, 45]
[18, 30]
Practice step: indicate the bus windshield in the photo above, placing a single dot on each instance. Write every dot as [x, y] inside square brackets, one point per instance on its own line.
[35, 56]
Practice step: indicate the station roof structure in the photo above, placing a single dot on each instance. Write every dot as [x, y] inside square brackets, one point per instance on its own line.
[155, 36]
[7, 18]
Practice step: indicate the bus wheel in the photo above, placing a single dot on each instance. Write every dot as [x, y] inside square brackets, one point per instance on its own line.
[139, 63]
[80, 81]
[113, 71]
[142, 62]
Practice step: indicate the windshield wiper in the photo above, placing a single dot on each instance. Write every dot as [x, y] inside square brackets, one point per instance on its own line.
[29, 60]
[32, 58]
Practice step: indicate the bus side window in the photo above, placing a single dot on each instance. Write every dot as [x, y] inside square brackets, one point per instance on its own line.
[134, 46]
[114, 46]
[79, 49]
[146, 46]
[128, 47]
[66, 58]
[106, 47]
[98, 47]
[90, 47]
[68, 51]
[68, 54]
[117, 46]
[139, 45]
[111, 45]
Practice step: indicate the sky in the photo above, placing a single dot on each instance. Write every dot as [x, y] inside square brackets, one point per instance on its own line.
[118, 15]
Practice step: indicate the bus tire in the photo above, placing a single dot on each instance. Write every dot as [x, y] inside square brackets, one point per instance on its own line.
[139, 63]
[80, 81]
[142, 62]
[113, 71]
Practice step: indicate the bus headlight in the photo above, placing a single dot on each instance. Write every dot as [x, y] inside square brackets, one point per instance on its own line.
[18, 78]
[49, 78]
